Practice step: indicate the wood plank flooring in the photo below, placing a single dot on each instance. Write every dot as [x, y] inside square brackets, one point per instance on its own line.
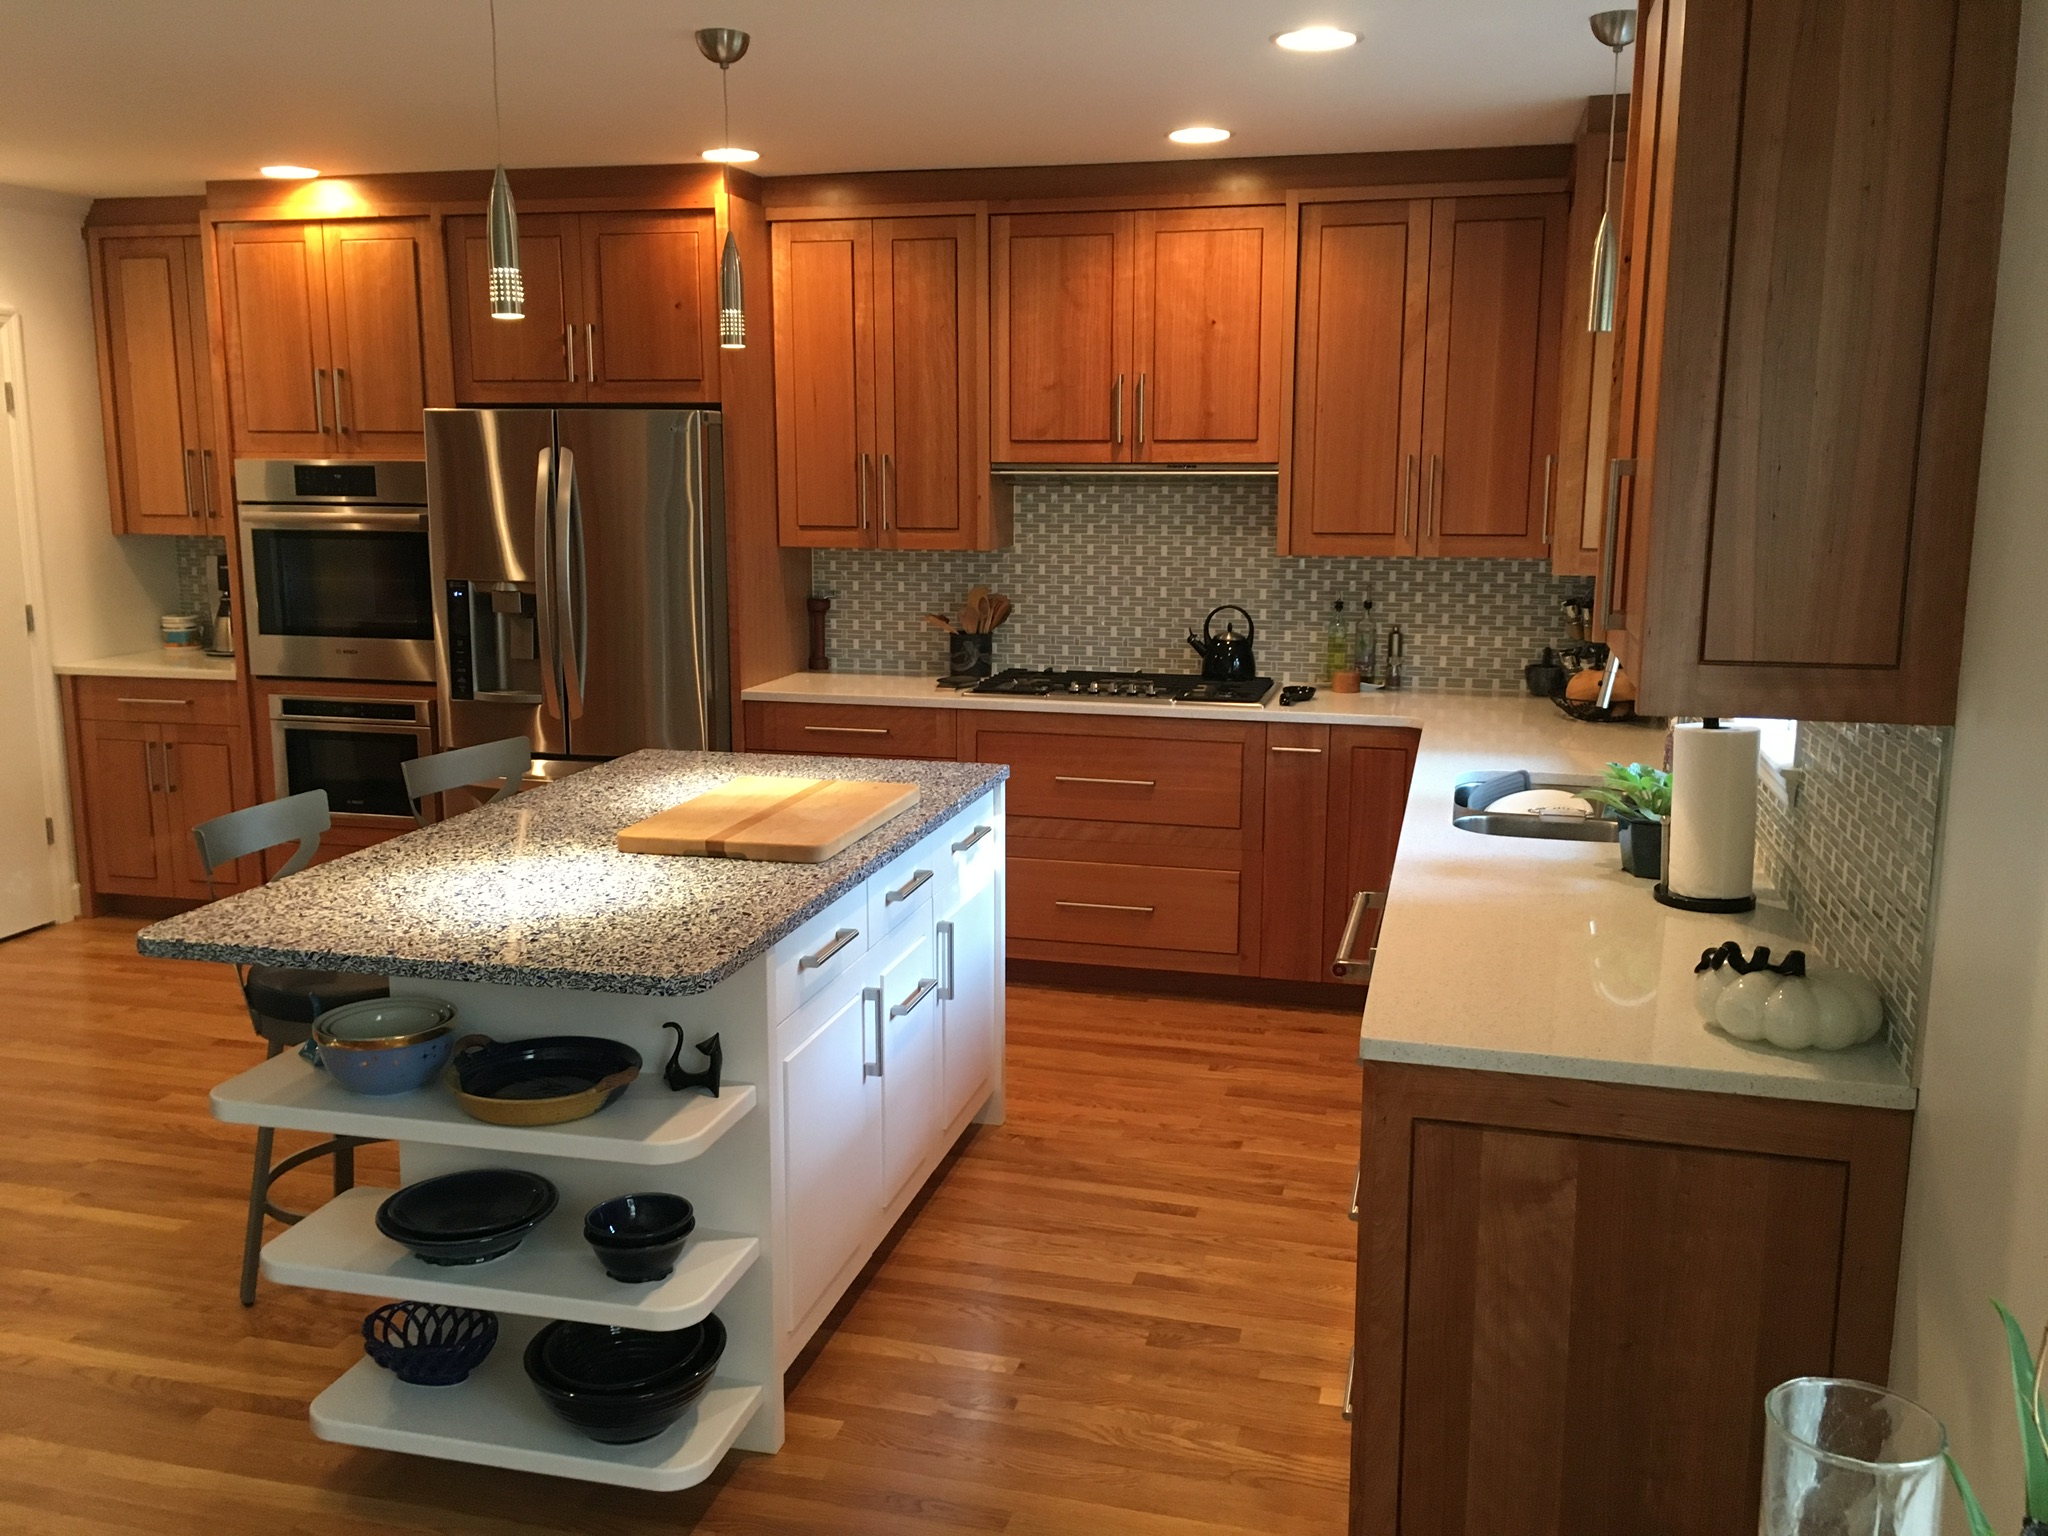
[1127, 1310]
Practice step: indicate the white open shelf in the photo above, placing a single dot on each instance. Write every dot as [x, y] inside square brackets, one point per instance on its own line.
[553, 1273]
[497, 1419]
[649, 1125]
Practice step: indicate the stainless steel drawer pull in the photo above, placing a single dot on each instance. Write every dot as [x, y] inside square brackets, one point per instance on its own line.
[1082, 778]
[840, 940]
[1103, 906]
[1356, 1175]
[569, 346]
[1310, 751]
[870, 1068]
[848, 730]
[972, 838]
[951, 941]
[1345, 962]
[179, 703]
[1350, 1372]
[925, 988]
[908, 888]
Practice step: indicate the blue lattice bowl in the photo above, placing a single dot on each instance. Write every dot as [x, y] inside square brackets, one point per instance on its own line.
[427, 1344]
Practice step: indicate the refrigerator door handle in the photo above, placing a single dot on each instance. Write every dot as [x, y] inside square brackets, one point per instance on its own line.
[543, 585]
[573, 614]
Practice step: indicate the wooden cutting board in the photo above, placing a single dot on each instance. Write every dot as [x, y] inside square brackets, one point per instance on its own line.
[791, 821]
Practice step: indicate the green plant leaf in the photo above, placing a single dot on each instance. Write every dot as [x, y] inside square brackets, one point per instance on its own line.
[2030, 1426]
[1979, 1526]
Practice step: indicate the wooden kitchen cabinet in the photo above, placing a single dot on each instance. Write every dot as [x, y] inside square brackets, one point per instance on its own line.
[1368, 797]
[1586, 359]
[1426, 377]
[156, 381]
[325, 335]
[1573, 1296]
[621, 308]
[1148, 337]
[1814, 205]
[881, 420]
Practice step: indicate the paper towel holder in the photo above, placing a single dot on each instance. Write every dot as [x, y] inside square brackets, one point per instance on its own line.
[1724, 904]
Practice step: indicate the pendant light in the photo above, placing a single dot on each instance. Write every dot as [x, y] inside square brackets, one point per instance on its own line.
[725, 47]
[1616, 30]
[507, 286]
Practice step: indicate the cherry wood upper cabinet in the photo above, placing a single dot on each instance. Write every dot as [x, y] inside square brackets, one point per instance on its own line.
[1062, 308]
[325, 337]
[156, 382]
[620, 308]
[1586, 358]
[1207, 334]
[1820, 237]
[1489, 440]
[1361, 321]
[881, 421]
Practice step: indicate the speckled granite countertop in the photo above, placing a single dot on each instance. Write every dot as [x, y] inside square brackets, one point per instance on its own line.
[532, 892]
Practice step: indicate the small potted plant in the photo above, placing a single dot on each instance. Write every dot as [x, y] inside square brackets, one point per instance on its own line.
[2026, 1392]
[1640, 799]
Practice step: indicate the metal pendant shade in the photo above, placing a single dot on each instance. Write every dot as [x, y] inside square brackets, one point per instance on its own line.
[1616, 30]
[725, 47]
[507, 286]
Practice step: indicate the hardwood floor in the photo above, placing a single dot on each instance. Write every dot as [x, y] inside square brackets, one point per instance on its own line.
[1127, 1310]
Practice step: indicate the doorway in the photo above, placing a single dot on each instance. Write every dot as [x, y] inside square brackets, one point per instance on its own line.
[28, 806]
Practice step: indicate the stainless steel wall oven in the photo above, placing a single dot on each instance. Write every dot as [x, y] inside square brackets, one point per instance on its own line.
[353, 748]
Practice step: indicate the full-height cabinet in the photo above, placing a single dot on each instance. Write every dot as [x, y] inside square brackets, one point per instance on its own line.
[325, 330]
[1814, 199]
[1152, 336]
[880, 383]
[1426, 377]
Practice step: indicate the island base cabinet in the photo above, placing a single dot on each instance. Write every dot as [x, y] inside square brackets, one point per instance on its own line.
[907, 1060]
[1573, 1296]
[832, 1118]
[967, 999]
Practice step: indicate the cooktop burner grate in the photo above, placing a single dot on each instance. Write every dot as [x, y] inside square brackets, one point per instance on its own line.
[1163, 687]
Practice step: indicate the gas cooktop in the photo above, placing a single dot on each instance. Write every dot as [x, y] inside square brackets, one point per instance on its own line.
[1161, 687]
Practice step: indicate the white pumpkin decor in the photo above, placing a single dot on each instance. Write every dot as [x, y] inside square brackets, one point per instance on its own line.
[1786, 1005]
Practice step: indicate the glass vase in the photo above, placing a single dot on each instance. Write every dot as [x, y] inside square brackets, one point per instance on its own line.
[1843, 1458]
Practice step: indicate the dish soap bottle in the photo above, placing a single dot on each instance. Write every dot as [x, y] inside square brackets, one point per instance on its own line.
[1337, 644]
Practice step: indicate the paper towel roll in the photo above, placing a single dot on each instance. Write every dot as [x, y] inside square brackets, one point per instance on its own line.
[1712, 837]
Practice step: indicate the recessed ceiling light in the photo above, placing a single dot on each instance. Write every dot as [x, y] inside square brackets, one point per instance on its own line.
[730, 156]
[290, 172]
[1316, 39]
[1199, 135]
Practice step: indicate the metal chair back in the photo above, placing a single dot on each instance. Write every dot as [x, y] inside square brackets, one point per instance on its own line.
[506, 761]
[296, 818]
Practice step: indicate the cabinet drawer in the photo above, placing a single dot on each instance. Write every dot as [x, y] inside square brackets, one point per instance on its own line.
[171, 701]
[804, 964]
[906, 886]
[851, 730]
[1164, 780]
[1131, 906]
[970, 851]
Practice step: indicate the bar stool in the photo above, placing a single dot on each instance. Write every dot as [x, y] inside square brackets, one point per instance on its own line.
[283, 1002]
[505, 760]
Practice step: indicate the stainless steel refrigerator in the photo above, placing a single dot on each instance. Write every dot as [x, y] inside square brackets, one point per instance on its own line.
[579, 576]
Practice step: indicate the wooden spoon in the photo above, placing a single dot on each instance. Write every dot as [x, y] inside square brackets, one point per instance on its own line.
[999, 610]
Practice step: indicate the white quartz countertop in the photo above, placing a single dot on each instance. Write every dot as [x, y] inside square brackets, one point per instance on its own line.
[156, 662]
[1509, 954]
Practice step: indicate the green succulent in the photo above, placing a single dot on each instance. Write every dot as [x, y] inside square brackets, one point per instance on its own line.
[1633, 792]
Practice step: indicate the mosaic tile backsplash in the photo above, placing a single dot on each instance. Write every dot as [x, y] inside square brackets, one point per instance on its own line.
[1109, 574]
[1854, 855]
[198, 584]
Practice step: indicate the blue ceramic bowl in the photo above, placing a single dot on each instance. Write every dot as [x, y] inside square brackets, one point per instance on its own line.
[385, 1045]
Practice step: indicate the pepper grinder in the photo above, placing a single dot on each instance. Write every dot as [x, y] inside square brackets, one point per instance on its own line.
[817, 607]
[1393, 658]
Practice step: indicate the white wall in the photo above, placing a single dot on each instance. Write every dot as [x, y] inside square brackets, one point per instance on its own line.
[102, 594]
[1977, 1210]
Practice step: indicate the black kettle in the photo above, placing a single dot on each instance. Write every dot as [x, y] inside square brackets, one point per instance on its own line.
[1226, 658]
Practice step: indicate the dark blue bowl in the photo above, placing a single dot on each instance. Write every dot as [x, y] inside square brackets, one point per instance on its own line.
[427, 1344]
[639, 1237]
[623, 1385]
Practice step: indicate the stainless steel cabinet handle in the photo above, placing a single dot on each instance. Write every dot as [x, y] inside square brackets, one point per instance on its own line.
[1102, 906]
[908, 888]
[1345, 962]
[972, 838]
[836, 943]
[1408, 498]
[1356, 1175]
[1549, 465]
[149, 764]
[1141, 410]
[170, 770]
[925, 988]
[1309, 751]
[1082, 778]
[873, 1068]
[1350, 1373]
[1432, 504]
[319, 405]
[1116, 407]
[569, 347]
[849, 730]
[951, 940]
[590, 350]
[339, 425]
[1611, 616]
[176, 703]
[191, 506]
[206, 482]
[885, 493]
[861, 490]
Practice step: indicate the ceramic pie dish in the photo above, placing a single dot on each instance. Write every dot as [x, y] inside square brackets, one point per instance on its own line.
[545, 1081]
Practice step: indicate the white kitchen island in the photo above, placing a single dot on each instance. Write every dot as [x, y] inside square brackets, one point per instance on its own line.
[859, 1004]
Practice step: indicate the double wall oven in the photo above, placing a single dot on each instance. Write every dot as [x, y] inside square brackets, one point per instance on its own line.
[353, 747]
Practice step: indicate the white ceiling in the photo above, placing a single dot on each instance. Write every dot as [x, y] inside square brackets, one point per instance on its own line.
[112, 97]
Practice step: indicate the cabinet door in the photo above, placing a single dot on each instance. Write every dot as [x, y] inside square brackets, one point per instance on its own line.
[929, 480]
[650, 306]
[1356, 475]
[534, 360]
[124, 811]
[1207, 328]
[150, 347]
[824, 372]
[1061, 302]
[1585, 358]
[205, 774]
[1368, 792]
[379, 388]
[967, 1001]
[216, 496]
[274, 319]
[912, 1073]
[1292, 853]
[831, 1118]
[1496, 298]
